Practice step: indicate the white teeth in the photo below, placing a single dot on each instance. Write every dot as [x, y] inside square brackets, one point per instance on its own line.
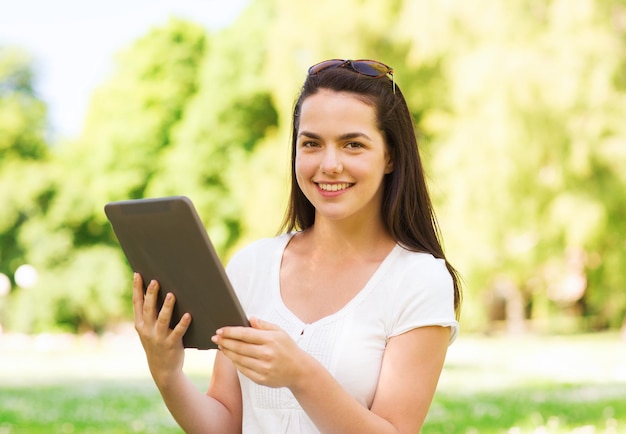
[334, 187]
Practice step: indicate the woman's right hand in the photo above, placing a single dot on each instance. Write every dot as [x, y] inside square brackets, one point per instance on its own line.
[163, 346]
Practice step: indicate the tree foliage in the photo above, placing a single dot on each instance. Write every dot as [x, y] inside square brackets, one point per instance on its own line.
[519, 106]
[532, 127]
[23, 154]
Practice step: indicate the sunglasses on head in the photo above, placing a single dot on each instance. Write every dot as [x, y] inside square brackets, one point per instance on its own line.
[370, 68]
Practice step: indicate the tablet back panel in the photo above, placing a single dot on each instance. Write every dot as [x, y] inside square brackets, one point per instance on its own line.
[164, 239]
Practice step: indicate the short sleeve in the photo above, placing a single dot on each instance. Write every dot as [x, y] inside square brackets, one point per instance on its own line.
[424, 296]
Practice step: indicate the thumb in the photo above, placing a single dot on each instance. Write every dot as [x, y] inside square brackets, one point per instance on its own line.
[258, 323]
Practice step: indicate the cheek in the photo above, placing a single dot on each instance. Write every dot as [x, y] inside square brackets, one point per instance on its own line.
[305, 167]
[301, 171]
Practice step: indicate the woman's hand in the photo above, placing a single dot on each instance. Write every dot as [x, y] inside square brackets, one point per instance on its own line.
[264, 353]
[163, 346]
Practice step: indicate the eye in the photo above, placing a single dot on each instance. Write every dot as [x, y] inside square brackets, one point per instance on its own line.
[309, 144]
[354, 145]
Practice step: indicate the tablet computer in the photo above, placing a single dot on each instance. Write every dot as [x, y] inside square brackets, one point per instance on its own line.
[164, 239]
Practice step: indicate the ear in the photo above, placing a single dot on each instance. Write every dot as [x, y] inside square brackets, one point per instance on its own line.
[389, 165]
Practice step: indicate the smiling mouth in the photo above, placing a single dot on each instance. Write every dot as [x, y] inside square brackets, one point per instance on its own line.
[335, 187]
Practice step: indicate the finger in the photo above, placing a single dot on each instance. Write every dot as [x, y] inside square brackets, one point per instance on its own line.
[248, 364]
[150, 301]
[164, 318]
[182, 327]
[239, 354]
[256, 334]
[138, 298]
[260, 324]
[253, 374]
[247, 350]
[246, 335]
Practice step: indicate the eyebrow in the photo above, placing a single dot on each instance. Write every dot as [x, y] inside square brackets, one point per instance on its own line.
[346, 136]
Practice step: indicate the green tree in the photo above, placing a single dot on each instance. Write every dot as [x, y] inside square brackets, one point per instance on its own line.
[219, 132]
[525, 169]
[519, 106]
[23, 154]
[164, 123]
[84, 280]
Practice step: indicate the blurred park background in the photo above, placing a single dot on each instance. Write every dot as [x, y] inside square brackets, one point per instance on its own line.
[521, 111]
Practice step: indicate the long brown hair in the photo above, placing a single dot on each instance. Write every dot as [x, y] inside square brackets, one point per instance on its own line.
[407, 210]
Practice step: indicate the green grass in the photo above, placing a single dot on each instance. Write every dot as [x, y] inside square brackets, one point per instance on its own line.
[532, 384]
[554, 408]
[85, 407]
[535, 384]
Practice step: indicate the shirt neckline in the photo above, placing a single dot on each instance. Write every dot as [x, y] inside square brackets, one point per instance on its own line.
[367, 288]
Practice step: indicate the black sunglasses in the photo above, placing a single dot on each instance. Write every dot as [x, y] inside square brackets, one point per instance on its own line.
[370, 68]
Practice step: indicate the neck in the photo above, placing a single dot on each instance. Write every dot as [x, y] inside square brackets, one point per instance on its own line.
[335, 238]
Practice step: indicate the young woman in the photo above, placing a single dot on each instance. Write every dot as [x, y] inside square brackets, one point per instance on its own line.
[352, 307]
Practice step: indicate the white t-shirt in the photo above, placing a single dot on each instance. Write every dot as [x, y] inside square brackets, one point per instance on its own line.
[407, 291]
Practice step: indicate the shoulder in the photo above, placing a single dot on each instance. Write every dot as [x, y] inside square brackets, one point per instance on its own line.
[423, 268]
[252, 266]
[257, 253]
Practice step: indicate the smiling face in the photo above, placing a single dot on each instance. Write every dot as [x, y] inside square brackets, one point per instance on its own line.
[341, 157]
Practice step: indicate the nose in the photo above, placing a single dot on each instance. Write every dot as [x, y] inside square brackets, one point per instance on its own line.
[331, 162]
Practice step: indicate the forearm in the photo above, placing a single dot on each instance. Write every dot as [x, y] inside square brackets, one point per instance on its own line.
[331, 408]
[195, 411]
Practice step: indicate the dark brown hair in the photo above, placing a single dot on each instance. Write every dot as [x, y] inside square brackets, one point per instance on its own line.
[407, 210]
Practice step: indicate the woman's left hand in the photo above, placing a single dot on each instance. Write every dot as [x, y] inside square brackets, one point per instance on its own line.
[264, 352]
